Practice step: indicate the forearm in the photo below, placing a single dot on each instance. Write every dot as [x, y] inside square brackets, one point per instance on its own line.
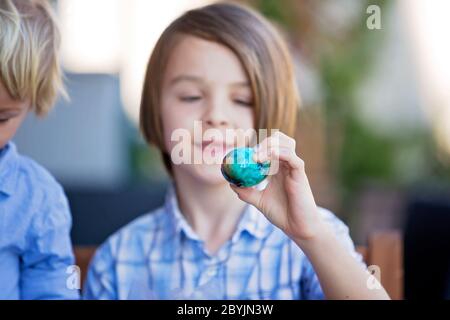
[340, 275]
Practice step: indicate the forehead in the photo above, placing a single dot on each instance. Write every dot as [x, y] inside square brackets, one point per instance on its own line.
[211, 61]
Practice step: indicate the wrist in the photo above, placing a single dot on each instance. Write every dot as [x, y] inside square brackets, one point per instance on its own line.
[321, 236]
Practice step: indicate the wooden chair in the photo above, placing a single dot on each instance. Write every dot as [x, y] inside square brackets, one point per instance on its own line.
[384, 249]
[83, 255]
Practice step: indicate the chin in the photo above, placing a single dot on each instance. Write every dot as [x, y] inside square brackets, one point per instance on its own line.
[208, 174]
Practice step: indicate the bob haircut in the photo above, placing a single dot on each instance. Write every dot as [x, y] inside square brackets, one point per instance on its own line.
[259, 47]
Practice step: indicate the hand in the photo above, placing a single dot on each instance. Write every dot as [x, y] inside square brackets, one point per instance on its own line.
[287, 201]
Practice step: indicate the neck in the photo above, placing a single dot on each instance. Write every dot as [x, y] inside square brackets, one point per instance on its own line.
[213, 211]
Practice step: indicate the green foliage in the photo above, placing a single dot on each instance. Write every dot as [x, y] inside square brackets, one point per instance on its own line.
[343, 63]
[278, 11]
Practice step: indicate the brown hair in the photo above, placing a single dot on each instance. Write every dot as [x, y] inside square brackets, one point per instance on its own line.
[29, 47]
[259, 47]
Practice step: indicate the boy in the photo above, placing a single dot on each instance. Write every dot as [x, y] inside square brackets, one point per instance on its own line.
[35, 221]
[205, 242]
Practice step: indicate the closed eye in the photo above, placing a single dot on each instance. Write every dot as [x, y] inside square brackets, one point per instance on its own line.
[4, 119]
[7, 115]
[190, 98]
[244, 103]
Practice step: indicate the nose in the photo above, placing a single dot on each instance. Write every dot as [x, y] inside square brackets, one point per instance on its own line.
[215, 114]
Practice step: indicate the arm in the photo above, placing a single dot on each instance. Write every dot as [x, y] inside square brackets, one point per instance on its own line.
[49, 252]
[288, 203]
[340, 275]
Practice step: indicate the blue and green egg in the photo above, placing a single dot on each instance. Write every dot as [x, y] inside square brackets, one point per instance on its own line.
[239, 168]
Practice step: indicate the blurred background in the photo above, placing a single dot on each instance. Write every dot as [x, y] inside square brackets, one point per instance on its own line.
[374, 126]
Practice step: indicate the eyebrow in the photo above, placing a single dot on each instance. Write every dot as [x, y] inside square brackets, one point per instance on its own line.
[200, 80]
[185, 78]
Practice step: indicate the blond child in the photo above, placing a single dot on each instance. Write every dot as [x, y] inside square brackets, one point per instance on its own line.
[35, 247]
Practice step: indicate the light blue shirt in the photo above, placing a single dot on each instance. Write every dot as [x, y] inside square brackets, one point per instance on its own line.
[159, 256]
[35, 222]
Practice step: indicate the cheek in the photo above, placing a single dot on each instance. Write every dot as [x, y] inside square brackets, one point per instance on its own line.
[176, 118]
[245, 118]
[9, 129]
[245, 121]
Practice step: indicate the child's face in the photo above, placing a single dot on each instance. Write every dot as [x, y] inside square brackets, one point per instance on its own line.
[205, 81]
[12, 113]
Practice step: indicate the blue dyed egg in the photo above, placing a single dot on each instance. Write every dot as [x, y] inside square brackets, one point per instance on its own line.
[239, 168]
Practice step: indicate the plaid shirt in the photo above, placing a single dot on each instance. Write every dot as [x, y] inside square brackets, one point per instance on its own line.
[159, 256]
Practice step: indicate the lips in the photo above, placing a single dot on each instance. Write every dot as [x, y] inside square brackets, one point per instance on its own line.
[215, 148]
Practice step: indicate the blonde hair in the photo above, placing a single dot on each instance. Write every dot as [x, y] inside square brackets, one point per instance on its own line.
[29, 48]
[259, 47]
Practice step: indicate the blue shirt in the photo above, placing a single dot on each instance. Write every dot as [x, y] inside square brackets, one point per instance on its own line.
[35, 221]
[159, 256]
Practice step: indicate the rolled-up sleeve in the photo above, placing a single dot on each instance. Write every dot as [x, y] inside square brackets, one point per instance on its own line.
[45, 264]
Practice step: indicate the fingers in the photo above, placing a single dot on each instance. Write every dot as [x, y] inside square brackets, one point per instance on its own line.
[279, 147]
[277, 139]
[289, 156]
[249, 195]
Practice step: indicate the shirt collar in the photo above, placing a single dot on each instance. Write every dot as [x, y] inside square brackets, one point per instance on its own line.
[178, 221]
[8, 168]
[251, 221]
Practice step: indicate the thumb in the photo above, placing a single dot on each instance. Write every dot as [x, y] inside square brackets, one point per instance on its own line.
[249, 195]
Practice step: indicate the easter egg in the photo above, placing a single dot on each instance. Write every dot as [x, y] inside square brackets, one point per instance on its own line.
[239, 168]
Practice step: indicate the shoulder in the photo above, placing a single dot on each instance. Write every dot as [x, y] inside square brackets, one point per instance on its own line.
[117, 260]
[340, 229]
[133, 240]
[37, 181]
[337, 224]
[40, 196]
